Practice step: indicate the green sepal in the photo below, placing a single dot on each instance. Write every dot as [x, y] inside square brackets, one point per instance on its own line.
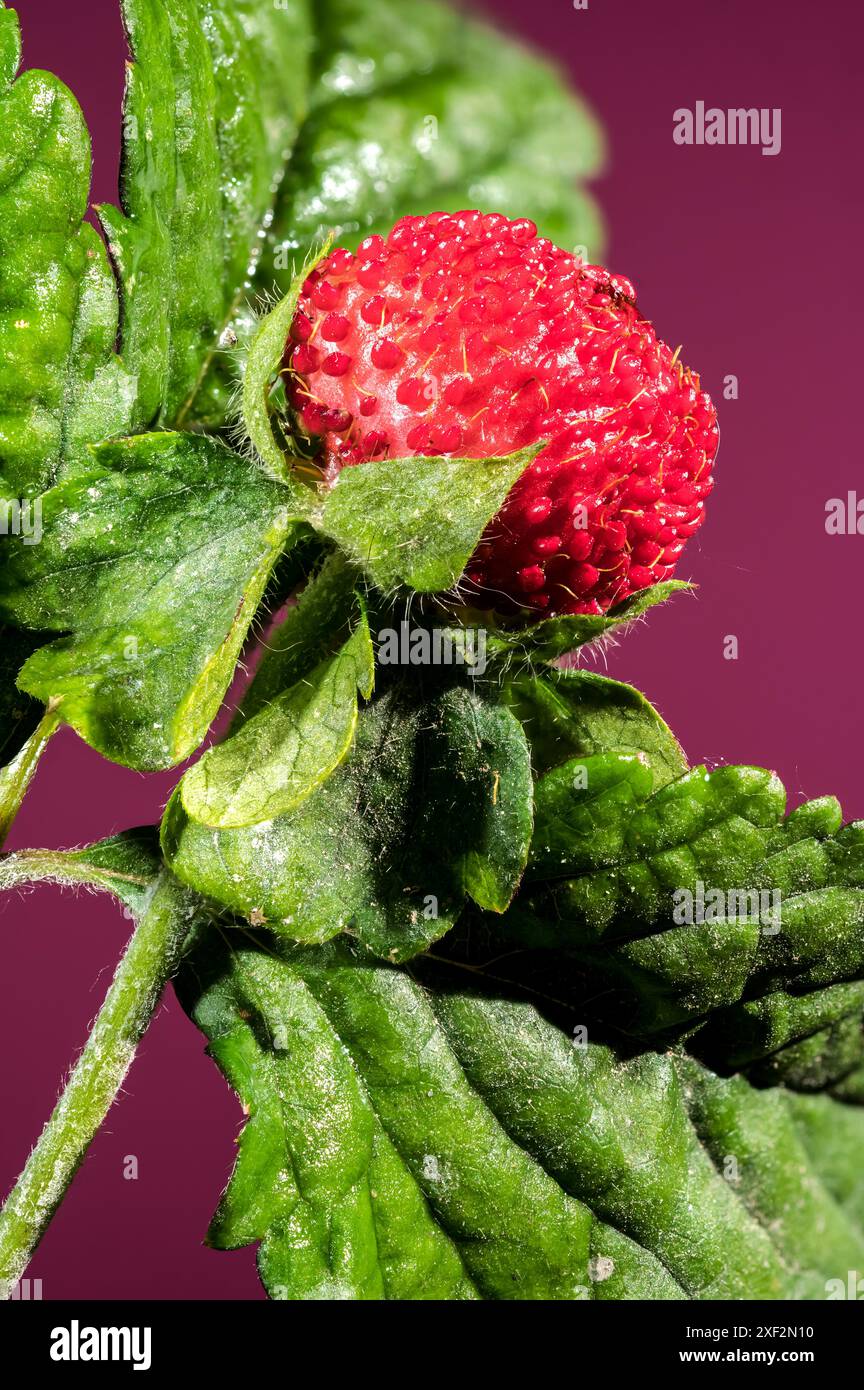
[551, 638]
[418, 521]
[263, 363]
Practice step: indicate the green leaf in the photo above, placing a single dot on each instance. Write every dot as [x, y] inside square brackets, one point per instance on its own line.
[279, 757]
[213, 99]
[758, 1131]
[433, 803]
[566, 713]
[814, 1060]
[552, 638]
[154, 564]
[127, 865]
[417, 521]
[61, 384]
[317, 1182]
[833, 1137]
[414, 109]
[705, 912]
[770, 1027]
[314, 627]
[488, 103]
[484, 759]
[462, 1146]
[363, 46]
[704, 827]
[592, 824]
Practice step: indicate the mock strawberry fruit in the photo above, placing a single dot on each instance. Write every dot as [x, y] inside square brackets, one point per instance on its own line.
[469, 335]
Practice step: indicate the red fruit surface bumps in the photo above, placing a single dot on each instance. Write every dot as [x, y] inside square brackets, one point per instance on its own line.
[469, 335]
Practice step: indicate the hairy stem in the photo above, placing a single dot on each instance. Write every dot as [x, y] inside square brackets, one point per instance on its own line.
[97, 1076]
[16, 777]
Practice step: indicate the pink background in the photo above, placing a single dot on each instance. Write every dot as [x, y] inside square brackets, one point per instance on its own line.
[753, 264]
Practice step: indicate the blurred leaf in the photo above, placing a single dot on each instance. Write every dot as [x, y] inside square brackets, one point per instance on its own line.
[488, 102]
[416, 108]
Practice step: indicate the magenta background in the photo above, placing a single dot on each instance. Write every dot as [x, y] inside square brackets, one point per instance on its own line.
[753, 264]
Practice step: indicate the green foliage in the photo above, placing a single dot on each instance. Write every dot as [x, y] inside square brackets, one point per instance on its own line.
[707, 910]
[213, 99]
[154, 563]
[432, 804]
[61, 386]
[212, 106]
[284, 752]
[462, 1146]
[215, 102]
[571, 712]
[422, 1123]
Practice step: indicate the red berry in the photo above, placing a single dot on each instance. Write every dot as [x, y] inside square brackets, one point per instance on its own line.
[386, 354]
[335, 327]
[306, 359]
[497, 339]
[336, 364]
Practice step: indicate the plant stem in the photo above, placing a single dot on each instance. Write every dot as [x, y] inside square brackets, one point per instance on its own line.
[16, 777]
[97, 1076]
